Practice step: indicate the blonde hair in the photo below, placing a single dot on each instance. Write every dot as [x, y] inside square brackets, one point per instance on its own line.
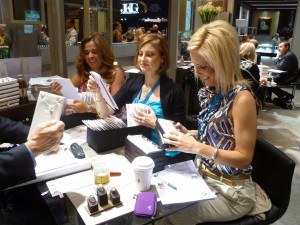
[247, 51]
[218, 43]
[138, 32]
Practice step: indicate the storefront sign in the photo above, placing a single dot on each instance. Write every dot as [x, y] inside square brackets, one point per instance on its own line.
[133, 8]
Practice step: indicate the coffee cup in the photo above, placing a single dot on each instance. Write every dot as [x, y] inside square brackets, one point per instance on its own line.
[143, 169]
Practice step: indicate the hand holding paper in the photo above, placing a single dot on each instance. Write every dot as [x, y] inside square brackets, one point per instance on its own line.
[104, 91]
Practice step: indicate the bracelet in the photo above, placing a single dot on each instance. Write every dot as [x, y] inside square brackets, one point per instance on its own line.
[215, 155]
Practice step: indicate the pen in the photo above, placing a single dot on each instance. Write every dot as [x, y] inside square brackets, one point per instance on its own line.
[167, 183]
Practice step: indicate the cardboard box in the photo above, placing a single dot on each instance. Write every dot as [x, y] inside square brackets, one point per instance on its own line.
[102, 141]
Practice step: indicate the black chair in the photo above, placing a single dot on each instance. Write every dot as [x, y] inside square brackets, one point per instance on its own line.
[273, 170]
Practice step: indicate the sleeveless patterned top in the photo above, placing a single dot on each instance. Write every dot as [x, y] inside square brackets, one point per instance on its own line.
[218, 129]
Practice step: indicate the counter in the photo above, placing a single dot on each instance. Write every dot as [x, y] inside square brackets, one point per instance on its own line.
[71, 53]
[124, 53]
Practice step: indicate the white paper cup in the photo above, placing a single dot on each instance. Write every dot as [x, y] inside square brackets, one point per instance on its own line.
[143, 168]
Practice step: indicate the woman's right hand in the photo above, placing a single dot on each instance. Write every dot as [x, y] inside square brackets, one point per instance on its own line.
[92, 84]
[55, 88]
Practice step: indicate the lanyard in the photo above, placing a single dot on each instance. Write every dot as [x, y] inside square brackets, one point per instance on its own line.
[150, 92]
[211, 108]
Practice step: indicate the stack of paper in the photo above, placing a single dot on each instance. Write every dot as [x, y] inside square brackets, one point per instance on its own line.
[181, 182]
[9, 92]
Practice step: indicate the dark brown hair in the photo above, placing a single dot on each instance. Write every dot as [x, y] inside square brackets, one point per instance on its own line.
[104, 52]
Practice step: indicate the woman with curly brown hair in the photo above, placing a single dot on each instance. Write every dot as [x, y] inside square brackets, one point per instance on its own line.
[95, 55]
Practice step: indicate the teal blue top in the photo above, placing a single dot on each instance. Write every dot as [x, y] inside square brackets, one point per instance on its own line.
[157, 108]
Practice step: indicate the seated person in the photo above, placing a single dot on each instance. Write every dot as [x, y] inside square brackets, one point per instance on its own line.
[155, 89]
[24, 205]
[95, 55]
[287, 61]
[257, 59]
[250, 70]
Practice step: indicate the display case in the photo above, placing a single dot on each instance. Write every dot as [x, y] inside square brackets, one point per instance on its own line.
[266, 49]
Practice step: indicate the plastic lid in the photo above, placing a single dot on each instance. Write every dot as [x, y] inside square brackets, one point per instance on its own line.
[143, 163]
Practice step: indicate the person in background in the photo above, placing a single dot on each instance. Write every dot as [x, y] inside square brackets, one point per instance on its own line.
[71, 33]
[154, 88]
[44, 35]
[23, 39]
[276, 39]
[17, 165]
[129, 36]
[257, 59]
[246, 38]
[117, 32]
[285, 60]
[143, 29]
[95, 55]
[138, 35]
[226, 136]
[155, 29]
[4, 53]
[250, 70]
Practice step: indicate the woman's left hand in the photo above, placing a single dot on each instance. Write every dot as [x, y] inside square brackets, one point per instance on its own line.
[145, 119]
[78, 106]
[181, 141]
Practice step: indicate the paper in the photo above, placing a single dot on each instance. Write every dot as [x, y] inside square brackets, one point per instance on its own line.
[130, 109]
[104, 91]
[48, 107]
[277, 71]
[68, 90]
[182, 184]
[44, 81]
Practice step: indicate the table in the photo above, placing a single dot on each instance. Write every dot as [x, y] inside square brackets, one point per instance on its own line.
[64, 211]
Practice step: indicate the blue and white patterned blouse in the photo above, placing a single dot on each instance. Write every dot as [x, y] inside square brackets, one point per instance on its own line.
[217, 129]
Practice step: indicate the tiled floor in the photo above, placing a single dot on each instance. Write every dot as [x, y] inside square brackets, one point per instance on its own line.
[281, 127]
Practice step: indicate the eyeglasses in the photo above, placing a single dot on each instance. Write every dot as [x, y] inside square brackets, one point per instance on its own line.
[93, 51]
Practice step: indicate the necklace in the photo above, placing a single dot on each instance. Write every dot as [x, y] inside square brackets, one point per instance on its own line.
[51, 107]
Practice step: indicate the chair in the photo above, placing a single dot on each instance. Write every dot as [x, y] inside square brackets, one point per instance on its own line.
[276, 180]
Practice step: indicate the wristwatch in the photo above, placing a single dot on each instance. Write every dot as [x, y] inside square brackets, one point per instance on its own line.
[89, 109]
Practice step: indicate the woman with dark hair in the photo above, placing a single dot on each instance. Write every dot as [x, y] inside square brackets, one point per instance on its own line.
[95, 55]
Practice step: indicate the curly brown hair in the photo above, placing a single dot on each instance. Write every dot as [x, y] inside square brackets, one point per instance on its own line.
[104, 51]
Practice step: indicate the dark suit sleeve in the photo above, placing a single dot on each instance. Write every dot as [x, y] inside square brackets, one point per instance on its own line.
[13, 132]
[16, 165]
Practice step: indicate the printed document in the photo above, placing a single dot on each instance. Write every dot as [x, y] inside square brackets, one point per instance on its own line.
[180, 183]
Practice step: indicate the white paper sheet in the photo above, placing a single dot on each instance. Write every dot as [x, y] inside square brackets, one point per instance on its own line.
[185, 178]
[104, 91]
[68, 90]
[276, 71]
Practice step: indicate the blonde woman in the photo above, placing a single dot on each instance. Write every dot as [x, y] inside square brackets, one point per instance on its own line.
[225, 140]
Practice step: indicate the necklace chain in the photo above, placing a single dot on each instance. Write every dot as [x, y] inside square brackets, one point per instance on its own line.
[51, 107]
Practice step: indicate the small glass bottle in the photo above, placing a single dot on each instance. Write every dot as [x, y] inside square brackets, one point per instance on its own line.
[23, 99]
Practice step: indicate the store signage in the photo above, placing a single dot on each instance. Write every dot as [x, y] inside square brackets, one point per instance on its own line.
[133, 8]
[130, 8]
